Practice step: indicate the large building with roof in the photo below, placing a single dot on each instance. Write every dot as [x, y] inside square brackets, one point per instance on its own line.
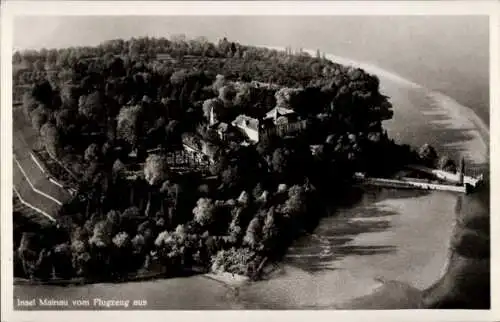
[277, 114]
[249, 126]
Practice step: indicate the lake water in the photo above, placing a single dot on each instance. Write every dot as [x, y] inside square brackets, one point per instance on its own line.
[388, 235]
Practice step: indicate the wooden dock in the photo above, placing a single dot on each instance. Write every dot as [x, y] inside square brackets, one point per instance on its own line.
[408, 183]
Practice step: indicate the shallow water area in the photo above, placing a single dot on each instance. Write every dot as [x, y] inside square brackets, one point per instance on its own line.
[388, 236]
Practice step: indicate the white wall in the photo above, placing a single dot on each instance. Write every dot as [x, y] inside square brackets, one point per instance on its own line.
[253, 135]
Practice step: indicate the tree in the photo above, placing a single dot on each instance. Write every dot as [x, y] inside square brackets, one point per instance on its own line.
[281, 161]
[51, 139]
[156, 169]
[116, 67]
[134, 48]
[285, 97]
[128, 219]
[51, 57]
[227, 94]
[138, 244]
[128, 124]
[42, 92]
[122, 240]
[17, 58]
[39, 117]
[172, 192]
[253, 234]
[91, 107]
[235, 231]
[162, 239]
[243, 96]
[204, 212]
[231, 177]
[234, 260]
[101, 235]
[69, 96]
[92, 153]
[39, 65]
[118, 169]
[181, 234]
[447, 164]
[257, 190]
[94, 175]
[113, 220]
[65, 121]
[62, 260]
[179, 77]
[173, 133]
[270, 229]
[296, 202]
[428, 155]
[27, 252]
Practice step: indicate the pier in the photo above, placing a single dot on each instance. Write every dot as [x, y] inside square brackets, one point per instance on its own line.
[441, 180]
[408, 183]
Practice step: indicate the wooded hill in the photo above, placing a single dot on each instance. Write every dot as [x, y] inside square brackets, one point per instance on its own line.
[94, 105]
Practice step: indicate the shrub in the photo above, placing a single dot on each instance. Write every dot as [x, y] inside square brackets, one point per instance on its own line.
[235, 260]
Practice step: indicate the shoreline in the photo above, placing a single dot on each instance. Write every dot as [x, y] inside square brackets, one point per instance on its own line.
[464, 111]
[479, 126]
[229, 280]
[444, 103]
[383, 73]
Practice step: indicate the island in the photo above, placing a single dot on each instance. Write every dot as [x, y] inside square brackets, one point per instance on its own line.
[169, 157]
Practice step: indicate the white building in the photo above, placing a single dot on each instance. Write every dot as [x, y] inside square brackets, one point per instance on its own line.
[248, 125]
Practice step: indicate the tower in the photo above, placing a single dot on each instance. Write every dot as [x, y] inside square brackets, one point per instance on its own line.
[213, 117]
[461, 171]
[275, 114]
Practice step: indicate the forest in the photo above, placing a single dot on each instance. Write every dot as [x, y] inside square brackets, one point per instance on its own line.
[114, 119]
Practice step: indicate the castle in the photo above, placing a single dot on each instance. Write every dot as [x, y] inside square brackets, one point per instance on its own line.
[279, 121]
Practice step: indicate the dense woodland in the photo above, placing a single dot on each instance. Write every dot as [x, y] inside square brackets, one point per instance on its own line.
[93, 106]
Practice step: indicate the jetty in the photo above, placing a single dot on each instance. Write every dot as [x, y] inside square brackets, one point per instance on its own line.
[455, 178]
[438, 180]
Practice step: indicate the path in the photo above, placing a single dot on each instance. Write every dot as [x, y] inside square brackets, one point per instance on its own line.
[31, 183]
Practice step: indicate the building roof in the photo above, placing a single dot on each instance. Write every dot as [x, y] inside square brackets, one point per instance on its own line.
[279, 111]
[192, 140]
[246, 122]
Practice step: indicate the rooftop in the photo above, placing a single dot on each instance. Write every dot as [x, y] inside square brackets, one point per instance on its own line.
[279, 111]
[246, 121]
[192, 140]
